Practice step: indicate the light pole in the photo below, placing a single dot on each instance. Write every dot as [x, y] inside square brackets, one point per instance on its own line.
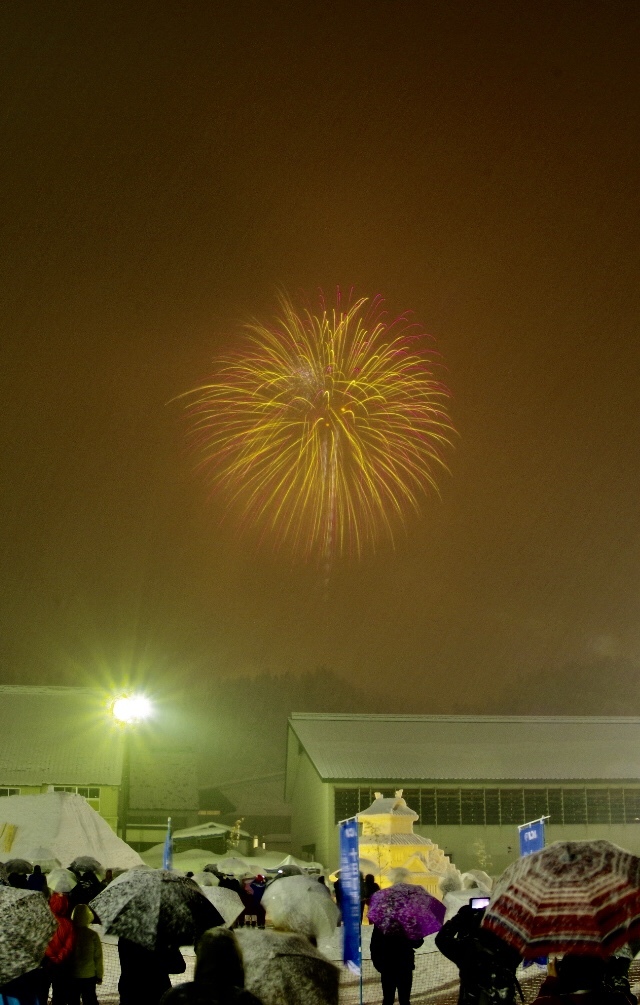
[128, 710]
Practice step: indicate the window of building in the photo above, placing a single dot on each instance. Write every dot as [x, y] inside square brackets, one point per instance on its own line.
[508, 806]
[512, 806]
[574, 806]
[7, 791]
[90, 792]
[472, 806]
[447, 806]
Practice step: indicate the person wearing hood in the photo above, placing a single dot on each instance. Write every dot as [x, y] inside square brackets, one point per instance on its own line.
[219, 974]
[58, 954]
[86, 961]
[37, 880]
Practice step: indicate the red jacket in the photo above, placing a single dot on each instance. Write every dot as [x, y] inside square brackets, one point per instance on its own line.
[63, 939]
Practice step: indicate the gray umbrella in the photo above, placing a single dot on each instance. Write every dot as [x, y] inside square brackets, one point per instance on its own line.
[155, 908]
[86, 863]
[26, 927]
[19, 865]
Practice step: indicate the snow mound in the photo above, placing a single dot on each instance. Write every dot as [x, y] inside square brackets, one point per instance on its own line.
[66, 824]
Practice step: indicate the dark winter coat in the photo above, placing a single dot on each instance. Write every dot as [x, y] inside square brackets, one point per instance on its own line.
[487, 965]
[219, 974]
[285, 969]
[144, 974]
[393, 954]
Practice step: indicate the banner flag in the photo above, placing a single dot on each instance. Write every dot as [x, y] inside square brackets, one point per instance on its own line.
[167, 854]
[350, 894]
[531, 837]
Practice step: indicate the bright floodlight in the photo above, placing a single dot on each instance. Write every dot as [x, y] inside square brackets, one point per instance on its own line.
[131, 708]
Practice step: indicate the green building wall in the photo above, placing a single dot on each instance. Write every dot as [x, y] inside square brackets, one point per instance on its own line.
[488, 846]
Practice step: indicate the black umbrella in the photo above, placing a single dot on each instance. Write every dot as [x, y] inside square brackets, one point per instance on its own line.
[19, 865]
[155, 908]
[86, 863]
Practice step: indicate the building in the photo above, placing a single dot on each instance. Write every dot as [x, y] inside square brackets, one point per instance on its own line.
[258, 802]
[64, 739]
[471, 780]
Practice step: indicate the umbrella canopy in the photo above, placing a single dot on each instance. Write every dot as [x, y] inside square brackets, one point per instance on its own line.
[155, 908]
[205, 879]
[408, 908]
[3, 875]
[301, 904]
[573, 895]
[27, 925]
[228, 903]
[61, 880]
[86, 863]
[234, 866]
[19, 865]
[44, 857]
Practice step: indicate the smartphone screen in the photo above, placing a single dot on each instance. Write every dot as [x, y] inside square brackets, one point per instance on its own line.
[479, 901]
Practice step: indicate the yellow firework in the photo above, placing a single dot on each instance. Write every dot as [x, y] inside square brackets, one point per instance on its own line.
[324, 429]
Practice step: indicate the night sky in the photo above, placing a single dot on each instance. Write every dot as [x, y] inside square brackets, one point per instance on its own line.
[167, 167]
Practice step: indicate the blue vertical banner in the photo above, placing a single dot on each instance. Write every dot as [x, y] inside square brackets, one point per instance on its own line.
[350, 894]
[531, 837]
[167, 853]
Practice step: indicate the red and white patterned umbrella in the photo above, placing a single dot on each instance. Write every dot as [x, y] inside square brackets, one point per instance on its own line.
[574, 895]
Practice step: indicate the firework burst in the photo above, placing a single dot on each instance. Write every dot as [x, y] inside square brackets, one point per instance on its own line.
[325, 429]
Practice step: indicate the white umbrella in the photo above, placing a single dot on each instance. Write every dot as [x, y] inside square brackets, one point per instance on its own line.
[61, 880]
[44, 857]
[227, 902]
[205, 879]
[234, 866]
[301, 904]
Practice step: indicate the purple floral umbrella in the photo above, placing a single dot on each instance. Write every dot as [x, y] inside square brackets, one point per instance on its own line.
[406, 909]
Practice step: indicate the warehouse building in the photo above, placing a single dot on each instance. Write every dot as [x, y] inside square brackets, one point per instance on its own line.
[471, 780]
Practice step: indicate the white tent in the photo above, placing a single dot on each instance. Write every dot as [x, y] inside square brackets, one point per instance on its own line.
[66, 824]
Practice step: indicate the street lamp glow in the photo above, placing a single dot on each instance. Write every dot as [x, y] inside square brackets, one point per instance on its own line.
[131, 708]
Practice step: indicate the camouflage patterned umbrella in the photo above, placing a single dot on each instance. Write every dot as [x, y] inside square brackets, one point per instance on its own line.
[155, 908]
[26, 925]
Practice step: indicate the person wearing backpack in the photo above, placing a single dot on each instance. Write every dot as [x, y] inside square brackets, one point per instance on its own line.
[486, 963]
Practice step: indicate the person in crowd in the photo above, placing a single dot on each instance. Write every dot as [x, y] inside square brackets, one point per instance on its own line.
[24, 990]
[487, 965]
[219, 974]
[369, 888]
[283, 967]
[86, 959]
[58, 954]
[18, 880]
[87, 887]
[582, 979]
[258, 886]
[37, 880]
[144, 973]
[393, 956]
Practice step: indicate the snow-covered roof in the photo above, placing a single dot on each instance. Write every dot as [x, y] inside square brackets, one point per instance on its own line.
[402, 748]
[57, 736]
[393, 805]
